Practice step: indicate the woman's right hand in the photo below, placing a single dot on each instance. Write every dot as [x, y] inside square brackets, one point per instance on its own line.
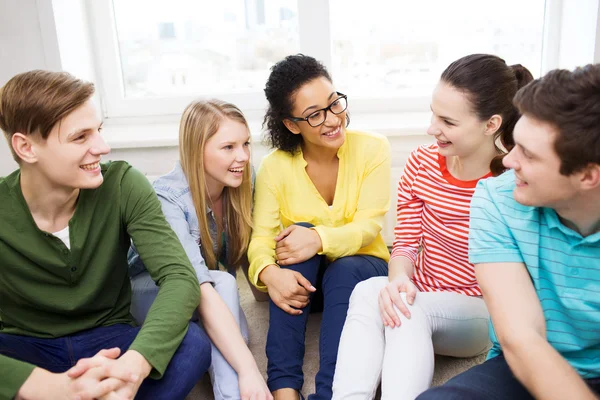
[390, 296]
[288, 289]
[253, 386]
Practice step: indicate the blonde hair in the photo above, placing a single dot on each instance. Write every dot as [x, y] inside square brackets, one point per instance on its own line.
[199, 122]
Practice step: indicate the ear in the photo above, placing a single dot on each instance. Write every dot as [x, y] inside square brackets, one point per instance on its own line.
[589, 177]
[493, 124]
[24, 147]
[292, 126]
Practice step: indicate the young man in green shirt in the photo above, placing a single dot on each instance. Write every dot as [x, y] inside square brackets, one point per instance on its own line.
[66, 222]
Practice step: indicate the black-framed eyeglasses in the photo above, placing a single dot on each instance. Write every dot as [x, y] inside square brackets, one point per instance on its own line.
[317, 118]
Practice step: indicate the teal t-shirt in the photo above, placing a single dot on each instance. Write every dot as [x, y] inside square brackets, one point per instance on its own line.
[564, 267]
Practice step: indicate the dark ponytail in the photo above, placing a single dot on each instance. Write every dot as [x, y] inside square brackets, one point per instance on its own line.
[490, 86]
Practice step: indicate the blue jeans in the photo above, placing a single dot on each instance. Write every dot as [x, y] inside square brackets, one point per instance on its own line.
[491, 380]
[223, 377]
[285, 339]
[189, 363]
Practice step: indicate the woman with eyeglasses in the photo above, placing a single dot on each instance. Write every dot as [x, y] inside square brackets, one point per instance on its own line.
[320, 201]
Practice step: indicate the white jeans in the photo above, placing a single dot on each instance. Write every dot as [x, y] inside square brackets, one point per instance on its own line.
[223, 377]
[445, 323]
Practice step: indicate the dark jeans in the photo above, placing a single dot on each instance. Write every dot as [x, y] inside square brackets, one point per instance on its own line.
[285, 339]
[491, 380]
[189, 363]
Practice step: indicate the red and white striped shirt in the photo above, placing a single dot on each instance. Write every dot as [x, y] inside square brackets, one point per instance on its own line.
[432, 227]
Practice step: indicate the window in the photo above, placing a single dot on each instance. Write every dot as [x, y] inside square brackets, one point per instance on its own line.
[385, 54]
[400, 48]
[191, 47]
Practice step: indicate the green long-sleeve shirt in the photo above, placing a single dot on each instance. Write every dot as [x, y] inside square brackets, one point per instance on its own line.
[49, 291]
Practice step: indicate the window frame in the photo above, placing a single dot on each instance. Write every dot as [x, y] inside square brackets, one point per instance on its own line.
[314, 38]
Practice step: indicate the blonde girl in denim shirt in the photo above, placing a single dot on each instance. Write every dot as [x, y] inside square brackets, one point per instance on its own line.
[207, 200]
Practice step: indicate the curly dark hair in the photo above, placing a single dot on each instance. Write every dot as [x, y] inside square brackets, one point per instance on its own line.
[286, 77]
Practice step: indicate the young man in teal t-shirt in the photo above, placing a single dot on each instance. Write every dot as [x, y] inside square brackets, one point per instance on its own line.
[535, 243]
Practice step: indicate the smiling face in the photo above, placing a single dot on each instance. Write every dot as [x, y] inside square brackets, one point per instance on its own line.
[310, 97]
[454, 124]
[226, 155]
[536, 164]
[70, 156]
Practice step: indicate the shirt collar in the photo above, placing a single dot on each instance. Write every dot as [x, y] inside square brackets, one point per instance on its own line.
[554, 223]
[340, 153]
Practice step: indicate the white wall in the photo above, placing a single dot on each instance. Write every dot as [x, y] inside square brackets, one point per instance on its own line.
[21, 49]
[579, 36]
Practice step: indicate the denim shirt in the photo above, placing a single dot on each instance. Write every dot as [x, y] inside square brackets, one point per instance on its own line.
[176, 199]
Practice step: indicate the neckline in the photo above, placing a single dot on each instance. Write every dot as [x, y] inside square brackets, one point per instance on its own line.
[304, 164]
[455, 181]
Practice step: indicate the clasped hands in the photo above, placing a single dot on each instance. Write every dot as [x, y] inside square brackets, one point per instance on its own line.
[288, 289]
[296, 244]
[104, 376]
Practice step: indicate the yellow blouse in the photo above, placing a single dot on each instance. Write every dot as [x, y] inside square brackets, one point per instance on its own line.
[285, 195]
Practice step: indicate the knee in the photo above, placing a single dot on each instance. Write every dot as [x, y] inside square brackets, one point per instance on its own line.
[335, 271]
[368, 291]
[371, 285]
[196, 347]
[345, 269]
[448, 391]
[436, 393]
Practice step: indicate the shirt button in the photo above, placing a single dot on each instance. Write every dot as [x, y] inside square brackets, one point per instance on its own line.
[575, 271]
[73, 269]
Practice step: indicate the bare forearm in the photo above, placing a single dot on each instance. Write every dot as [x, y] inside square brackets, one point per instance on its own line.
[30, 389]
[543, 371]
[223, 330]
[400, 267]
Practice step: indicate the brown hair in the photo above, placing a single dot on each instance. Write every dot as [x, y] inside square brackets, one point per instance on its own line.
[33, 102]
[571, 102]
[199, 122]
[490, 85]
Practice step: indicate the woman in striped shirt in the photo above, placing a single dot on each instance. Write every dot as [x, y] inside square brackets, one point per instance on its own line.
[430, 302]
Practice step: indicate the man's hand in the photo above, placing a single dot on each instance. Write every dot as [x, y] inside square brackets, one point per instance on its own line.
[296, 244]
[131, 365]
[139, 366]
[288, 289]
[91, 384]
